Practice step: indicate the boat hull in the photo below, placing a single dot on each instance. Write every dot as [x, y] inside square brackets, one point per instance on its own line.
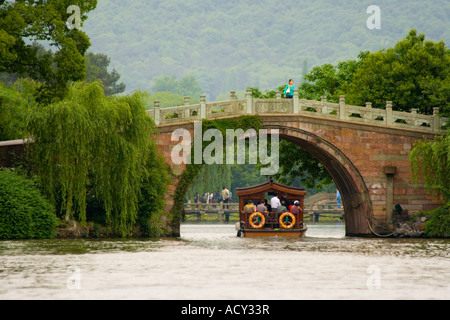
[257, 233]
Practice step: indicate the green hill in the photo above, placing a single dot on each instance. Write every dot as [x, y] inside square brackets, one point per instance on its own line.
[230, 45]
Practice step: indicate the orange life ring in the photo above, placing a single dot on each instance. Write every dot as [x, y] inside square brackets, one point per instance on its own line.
[261, 222]
[286, 225]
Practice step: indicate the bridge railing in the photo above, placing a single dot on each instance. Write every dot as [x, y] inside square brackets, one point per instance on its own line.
[340, 111]
[211, 207]
[311, 212]
[324, 208]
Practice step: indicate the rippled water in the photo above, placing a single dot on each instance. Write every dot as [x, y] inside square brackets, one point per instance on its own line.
[210, 262]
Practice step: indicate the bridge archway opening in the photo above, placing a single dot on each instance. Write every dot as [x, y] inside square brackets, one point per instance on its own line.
[348, 180]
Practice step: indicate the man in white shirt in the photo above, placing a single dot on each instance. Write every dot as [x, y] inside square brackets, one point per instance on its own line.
[275, 202]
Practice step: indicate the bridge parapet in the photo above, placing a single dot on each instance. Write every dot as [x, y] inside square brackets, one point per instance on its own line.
[339, 111]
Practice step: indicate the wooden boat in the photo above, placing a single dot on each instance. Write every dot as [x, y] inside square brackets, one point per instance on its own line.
[271, 223]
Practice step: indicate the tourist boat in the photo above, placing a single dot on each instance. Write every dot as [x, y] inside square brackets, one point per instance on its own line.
[272, 223]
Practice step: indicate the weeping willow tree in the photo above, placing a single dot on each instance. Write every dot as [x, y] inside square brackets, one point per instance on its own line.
[211, 179]
[430, 164]
[92, 145]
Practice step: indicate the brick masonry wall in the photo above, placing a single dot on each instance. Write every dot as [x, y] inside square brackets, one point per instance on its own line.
[369, 148]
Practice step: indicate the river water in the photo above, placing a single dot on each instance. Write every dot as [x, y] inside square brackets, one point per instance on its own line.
[209, 262]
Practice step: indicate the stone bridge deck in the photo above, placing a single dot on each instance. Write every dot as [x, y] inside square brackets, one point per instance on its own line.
[338, 111]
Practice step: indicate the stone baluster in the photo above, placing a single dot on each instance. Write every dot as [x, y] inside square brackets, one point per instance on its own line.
[157, 113]
[203, 107]
[323, 100]
[296, 102]
[232, 95]
[342, 111]
[414, 113]
[389, 115]
[369, 111]
[436, 120]
[278, 95]
[249, 97]
[187, 111]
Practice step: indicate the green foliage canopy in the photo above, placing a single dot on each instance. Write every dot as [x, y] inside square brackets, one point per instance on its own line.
[97, 145]
[413, 74]
[24, 212]
[430, 164]
[24, 21]
[97, 69]
[13, 111]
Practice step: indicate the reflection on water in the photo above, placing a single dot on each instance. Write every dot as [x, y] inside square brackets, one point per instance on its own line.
[210, 262]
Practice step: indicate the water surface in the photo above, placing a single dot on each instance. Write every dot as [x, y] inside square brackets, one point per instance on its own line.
[210, 262]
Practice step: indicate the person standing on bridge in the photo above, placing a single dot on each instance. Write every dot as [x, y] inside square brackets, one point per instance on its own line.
[225, 195]
[289, 90]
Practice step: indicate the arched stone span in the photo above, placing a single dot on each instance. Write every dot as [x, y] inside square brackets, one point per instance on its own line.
[369, 164]
[355, 195]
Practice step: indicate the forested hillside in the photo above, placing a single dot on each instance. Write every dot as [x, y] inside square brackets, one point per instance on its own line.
[231, 45]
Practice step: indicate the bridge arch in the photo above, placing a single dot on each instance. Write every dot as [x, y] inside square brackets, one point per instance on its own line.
[353, 189]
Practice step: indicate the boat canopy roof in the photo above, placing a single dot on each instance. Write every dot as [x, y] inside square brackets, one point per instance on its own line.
[270, 187]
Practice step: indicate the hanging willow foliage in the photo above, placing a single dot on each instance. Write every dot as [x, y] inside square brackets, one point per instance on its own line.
[88, 139]
[430, 164]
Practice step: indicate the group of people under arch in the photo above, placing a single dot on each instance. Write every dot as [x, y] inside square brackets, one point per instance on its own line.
[276, 205]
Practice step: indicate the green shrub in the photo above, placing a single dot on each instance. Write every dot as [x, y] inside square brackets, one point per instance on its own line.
[439, 223]
[24, 213]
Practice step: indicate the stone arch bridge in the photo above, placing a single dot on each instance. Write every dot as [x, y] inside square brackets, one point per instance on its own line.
[365, 150]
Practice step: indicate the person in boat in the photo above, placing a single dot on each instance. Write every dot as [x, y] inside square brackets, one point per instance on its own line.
[249, 207]
[296, 208]
[267, 205]
[282, 208]
[275, 203]
[261, 208]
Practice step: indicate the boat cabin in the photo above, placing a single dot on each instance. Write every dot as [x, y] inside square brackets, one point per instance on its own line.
[273, 222]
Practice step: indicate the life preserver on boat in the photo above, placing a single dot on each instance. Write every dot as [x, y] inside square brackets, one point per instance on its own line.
[285, 223]
[260, 222]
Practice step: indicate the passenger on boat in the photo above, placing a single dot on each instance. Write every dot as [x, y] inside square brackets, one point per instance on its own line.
[269, 208]
[275, 202]
[282, 208]
[249, 207]
[296, 208]
[261, 208]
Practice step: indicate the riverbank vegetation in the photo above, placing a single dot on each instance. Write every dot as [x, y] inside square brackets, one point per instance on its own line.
[91, 152]
[24, 212]
[430, 163]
